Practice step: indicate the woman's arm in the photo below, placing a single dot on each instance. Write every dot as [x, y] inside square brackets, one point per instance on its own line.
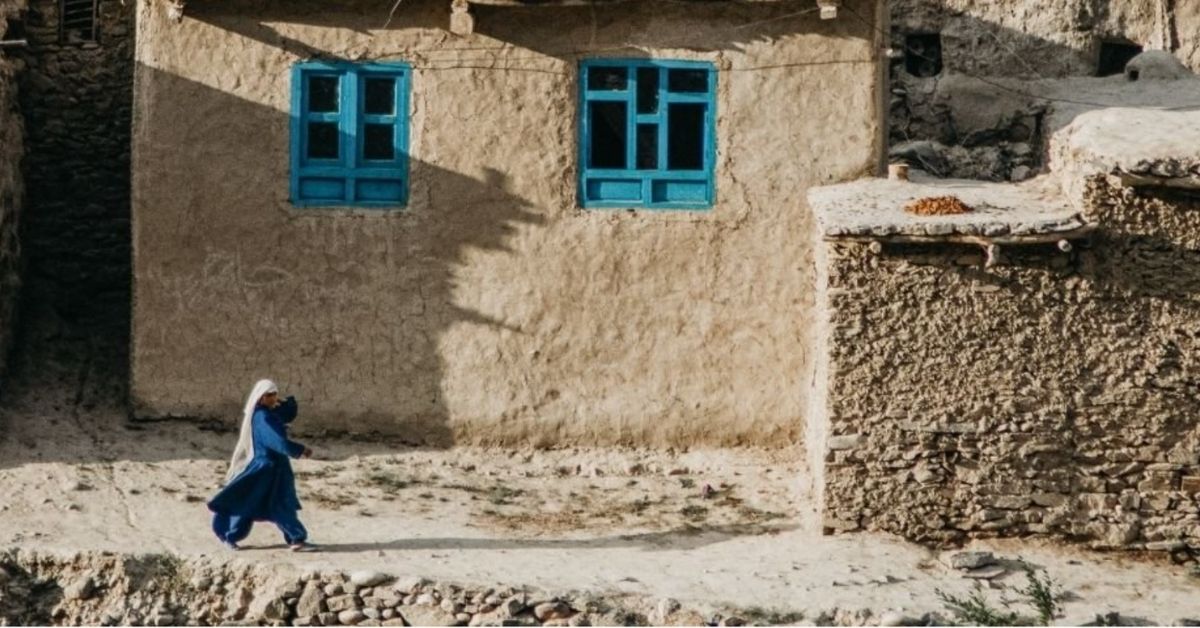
[287, 409]
[271, 435]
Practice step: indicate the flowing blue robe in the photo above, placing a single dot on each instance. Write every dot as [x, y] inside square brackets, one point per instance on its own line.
[266, 489]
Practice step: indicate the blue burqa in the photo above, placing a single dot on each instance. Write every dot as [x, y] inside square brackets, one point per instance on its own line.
[265, 490]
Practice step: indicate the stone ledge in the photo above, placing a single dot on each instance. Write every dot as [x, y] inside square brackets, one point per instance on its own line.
[1004, 213]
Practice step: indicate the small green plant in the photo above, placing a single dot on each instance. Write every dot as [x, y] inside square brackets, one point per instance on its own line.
[687, 483]
[1043, 594]
[974, 609]
[759, 616]
[1040, 592]
[502, 495]
[389, 480]
[694, 512]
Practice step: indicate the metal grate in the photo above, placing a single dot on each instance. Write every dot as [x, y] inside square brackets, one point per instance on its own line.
[77, 20]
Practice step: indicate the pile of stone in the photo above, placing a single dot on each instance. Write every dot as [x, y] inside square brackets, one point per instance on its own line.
[158, 590]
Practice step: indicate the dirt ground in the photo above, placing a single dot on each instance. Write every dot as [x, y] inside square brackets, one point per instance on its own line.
[712, 529]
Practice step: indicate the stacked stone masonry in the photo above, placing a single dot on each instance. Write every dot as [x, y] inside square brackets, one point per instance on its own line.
[941, 121]
[12, 151]
[76, 97]
[1053, 394]
[1047, 38]
[160, 590]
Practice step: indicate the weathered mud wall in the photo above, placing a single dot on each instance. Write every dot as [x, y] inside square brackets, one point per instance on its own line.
[12, 153]
[1052, 394]
[492, 309]
[1047, 38]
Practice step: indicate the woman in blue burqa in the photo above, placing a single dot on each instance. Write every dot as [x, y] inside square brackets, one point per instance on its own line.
[259, 485]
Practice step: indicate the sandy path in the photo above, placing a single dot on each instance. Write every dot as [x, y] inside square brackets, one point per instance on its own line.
[75, 476]
[629, 521]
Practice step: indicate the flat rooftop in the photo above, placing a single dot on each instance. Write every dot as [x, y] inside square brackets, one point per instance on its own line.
[875, 208]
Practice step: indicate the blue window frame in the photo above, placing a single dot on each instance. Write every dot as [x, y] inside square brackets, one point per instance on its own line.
[647, 133]
[350, 134]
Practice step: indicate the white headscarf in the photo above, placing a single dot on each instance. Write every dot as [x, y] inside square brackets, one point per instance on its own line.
[244, 452]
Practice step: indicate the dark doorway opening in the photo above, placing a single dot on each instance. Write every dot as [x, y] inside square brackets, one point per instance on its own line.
[923, 54]
[1114, 56]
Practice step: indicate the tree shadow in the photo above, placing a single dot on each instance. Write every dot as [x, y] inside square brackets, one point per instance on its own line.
[516, 37]
[290, 302]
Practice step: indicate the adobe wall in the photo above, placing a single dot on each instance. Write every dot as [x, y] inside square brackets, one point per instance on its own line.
[492, 309]
[12, 153]
[1051, 394]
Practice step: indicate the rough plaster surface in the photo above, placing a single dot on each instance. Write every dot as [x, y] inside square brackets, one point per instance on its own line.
[12, 153]
[1161, 144]
[875, 207]
[492, 309]
[1047, 38]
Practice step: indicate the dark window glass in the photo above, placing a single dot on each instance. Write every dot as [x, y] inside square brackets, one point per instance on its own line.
[647, 90]
[608, 134]
[378, 142]
[380, 98]
[687, 81]
[685, 136]
[647, 146]
[323, 94]
[323, 140]
[607, 79]
[923, 54]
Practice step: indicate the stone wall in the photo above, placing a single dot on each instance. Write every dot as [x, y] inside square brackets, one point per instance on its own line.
[1046, 38]
[110, 589]
[76, 99]
[12, 153]
[968, 122]
[1051, 394]
[492, 309]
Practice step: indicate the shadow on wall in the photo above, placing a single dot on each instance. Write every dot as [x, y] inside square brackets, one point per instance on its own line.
[425, 245]
[375, 291]
[72, 416]
[676, 25]
[75, 298]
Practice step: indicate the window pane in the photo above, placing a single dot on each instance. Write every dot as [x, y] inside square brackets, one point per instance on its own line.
[377, 142]
[323, 140]
[647, 90]
[323, 94]
[607, 79]
[380, 96]
[647, 146]
[687, 80]
[608, 137]
[685, 136]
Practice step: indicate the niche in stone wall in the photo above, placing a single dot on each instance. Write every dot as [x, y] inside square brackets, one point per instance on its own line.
[923, 54]
[14, 29]
[1115, 55]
